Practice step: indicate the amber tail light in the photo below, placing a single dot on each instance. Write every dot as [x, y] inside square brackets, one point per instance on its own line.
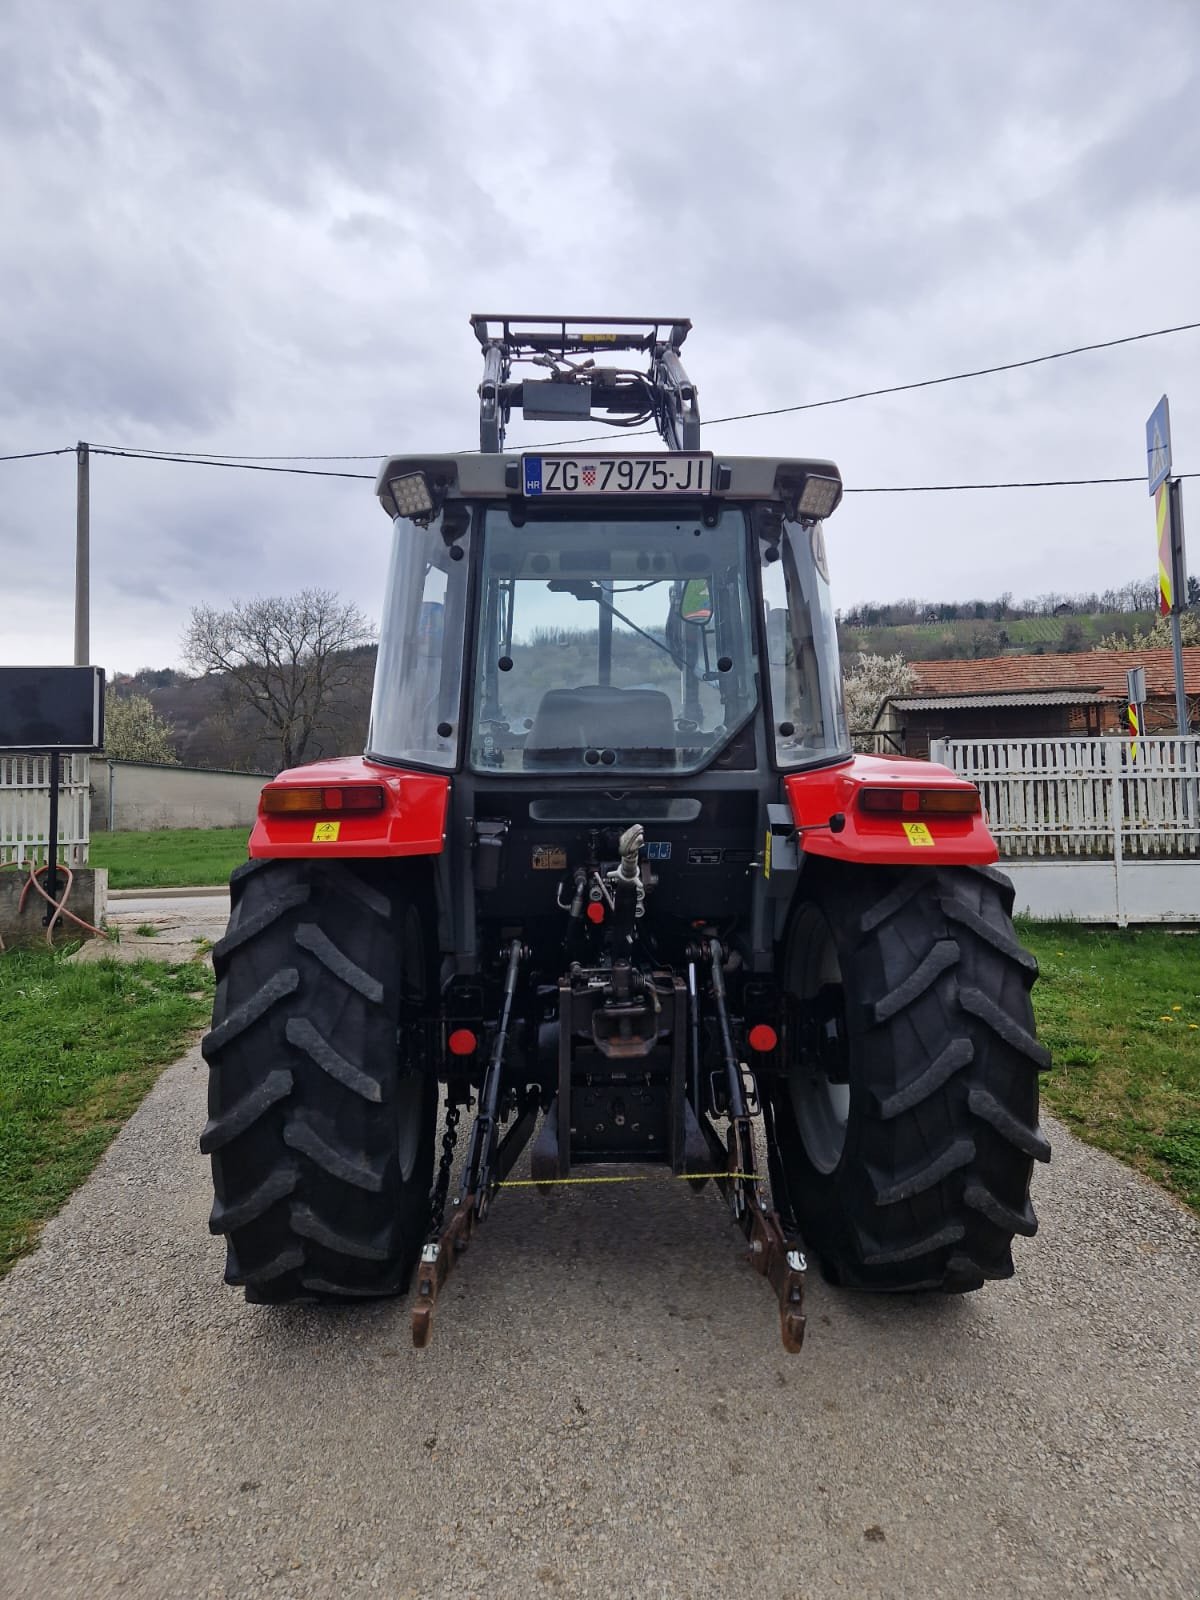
[896, 802]
[306, 800]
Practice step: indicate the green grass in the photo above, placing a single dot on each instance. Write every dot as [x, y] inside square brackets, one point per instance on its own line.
[174, 858]
[79, 1047]
[1120, 1010]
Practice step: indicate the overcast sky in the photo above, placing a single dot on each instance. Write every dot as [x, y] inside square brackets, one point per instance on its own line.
[260, 228]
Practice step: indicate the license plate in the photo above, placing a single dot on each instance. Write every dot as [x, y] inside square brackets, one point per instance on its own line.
[661, 474]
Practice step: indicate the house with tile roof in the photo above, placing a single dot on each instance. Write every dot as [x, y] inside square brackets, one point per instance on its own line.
[1033, 697]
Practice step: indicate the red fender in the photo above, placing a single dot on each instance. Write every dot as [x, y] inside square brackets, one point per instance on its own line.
[411, 823]
[913, 839]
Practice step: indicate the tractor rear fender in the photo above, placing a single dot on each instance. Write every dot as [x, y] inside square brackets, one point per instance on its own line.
[405, 815]
[917, 834]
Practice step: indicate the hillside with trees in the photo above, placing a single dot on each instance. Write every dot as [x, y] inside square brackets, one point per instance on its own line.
[290, 678]
[1053, 623]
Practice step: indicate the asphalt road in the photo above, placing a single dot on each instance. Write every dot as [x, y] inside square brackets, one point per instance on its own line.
[605, 1409]
[208, 906]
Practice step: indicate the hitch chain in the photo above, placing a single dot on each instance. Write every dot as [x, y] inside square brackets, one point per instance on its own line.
[441, 1187]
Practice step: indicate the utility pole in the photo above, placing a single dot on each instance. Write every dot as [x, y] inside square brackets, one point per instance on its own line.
[1172, 562]
[83, 557]
[1179, 595]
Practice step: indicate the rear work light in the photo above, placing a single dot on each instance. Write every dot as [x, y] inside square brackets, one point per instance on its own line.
[896, 802]
[304, 800]
[819, 497]
[412, 494]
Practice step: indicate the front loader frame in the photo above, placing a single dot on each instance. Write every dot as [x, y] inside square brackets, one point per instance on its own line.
[580, 389]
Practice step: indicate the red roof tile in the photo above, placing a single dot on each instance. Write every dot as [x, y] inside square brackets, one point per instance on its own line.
[1101, 671]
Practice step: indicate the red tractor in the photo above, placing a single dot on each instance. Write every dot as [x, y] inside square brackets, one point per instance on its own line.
[610, 876]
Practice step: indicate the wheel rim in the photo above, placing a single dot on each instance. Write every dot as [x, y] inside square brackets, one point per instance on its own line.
[410, 1086]
[817, 1080]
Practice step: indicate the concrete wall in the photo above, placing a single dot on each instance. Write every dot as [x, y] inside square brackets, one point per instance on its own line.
[1123, 891]
[88, 899]
[135, 796]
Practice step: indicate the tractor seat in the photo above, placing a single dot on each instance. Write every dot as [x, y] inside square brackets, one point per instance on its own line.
[639, 724]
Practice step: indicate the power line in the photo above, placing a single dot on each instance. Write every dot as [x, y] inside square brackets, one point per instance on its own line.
[712, 422]
[904, 488]
[225, 455]
[242, 466]
[1031, 483]
[30, 455]
[903, 388]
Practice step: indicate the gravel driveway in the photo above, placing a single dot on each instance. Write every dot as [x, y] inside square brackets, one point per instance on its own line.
[605, 1409]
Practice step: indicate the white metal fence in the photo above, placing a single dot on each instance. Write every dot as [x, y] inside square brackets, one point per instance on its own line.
[25, 809]
[1084, 797]
[1089, 828]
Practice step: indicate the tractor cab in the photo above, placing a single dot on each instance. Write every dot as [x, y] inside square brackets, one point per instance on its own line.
[591, 635]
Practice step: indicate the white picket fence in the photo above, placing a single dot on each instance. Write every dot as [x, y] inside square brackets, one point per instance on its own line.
[25, 809]
[1091, 828]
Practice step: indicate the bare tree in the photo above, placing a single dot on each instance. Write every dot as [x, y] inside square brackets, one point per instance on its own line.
[287, 659]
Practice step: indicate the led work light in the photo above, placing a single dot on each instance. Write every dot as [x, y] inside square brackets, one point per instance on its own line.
[411, 494]
[819, 496]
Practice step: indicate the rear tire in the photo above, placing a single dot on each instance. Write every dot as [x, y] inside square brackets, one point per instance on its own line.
[907, 1116]
[321, 1134]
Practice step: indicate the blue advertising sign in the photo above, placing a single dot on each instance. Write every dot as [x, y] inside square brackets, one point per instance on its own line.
[1158, 444]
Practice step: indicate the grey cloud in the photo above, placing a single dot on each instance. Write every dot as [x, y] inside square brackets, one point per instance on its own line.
[262, 228]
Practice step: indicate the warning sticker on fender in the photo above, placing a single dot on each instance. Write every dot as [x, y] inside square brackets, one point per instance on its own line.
[326, 832]
[917, 833]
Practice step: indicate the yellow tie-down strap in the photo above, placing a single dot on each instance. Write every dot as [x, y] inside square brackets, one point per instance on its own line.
[635, 1177]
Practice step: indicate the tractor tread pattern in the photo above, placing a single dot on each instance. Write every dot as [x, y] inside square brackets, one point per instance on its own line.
[328, 1289]
[251, 927]
[999, 938]
[875, 1254]
[277, 1267]
[1029, 1139]
[963, 1275]
[300, 1134]
[244, 1113]
[284, 982]
[312, 1105]
[1014, 1035]
[301, 1032]
[275, 1186]
[933, 1182]
[349, 883]
[943, 955]
[957, 1054]
[374, 1247]
[246, 869]
[895, 900]
[999, 881]
[1013, 1219]
[960, 1154]
[314, 939]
